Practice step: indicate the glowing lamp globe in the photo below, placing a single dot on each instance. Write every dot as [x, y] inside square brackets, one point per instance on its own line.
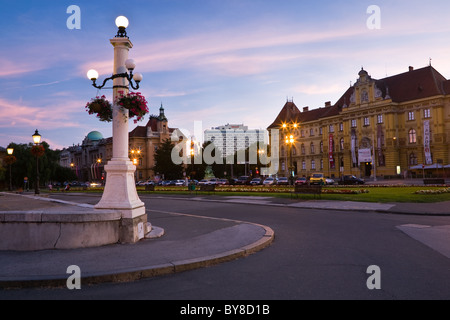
[92, 74]
[121, 22]
[137, 77]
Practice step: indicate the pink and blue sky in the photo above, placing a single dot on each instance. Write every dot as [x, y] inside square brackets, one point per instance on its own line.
[205, 60]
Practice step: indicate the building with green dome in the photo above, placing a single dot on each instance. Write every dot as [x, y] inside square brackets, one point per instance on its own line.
[89, 158]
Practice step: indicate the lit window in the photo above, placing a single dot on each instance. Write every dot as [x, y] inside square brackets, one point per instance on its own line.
[412, 136]
[353, 123]
[411, 115]
[427, 113]
[366, 121]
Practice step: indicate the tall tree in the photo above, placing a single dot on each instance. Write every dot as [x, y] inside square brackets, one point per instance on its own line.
[164, 166]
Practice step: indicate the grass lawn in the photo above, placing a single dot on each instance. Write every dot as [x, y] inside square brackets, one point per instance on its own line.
[375, 194]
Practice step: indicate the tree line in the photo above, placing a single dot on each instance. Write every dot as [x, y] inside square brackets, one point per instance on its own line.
[166, 168]
[24, 167]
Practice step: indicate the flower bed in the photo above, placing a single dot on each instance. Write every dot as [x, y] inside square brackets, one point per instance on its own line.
[433, 191]
[262, 189]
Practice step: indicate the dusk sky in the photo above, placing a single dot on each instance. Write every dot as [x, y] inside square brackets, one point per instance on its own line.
[213, 61]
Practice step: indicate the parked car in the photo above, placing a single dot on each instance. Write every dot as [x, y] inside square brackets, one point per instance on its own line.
[317, 178]
[283, 181]
[168, 183]
[180, 182]
[329, 181]
[213, 181]
[193, 182]
[203, 182]
[300, 181]
[222, 181]
[256, 181]
[243, 180]
[269, 181]
[350, 180]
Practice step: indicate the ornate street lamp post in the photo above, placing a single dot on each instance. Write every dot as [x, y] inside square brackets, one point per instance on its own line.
[290, 141]
[37, 140]
[10, 153]
[120, 189]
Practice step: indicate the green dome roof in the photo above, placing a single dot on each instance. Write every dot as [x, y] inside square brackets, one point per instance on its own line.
[94, 136]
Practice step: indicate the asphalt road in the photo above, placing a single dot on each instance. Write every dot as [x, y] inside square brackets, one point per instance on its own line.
[316, 254]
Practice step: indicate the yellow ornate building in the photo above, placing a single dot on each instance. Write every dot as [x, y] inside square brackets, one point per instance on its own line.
[394, 126]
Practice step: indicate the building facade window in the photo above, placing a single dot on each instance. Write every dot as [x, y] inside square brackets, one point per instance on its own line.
[412, 137]
[312, 148]
[411, 116]
[321, 146]
[302, 133]
[341, 126]
[303, 151]
[353, 123]
[412, 159]
[320, 130]
[303, 165]
[427, 113]
[331, 128]
[321, 164]
[341, 144]
[366, 121]
[313, 164]
[311, 132]
[379, 118]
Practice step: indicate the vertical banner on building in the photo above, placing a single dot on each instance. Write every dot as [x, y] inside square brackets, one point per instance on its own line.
[379, 146]
[426, 142]
[330, 150]
[353, 147]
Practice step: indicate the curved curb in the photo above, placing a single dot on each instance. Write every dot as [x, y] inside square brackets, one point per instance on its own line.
[134, 274]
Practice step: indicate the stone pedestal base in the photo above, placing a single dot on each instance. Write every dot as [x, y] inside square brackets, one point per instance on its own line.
[134, 229]
[120, 195]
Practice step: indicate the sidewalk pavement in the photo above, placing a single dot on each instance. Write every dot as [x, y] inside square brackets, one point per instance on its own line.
[189, 241]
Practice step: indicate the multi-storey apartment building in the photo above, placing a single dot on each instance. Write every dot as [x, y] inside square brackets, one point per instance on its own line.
[230, 138]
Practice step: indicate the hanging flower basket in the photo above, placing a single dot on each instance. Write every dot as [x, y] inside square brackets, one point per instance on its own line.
[135, 103]
[101, 107]
[37, 151]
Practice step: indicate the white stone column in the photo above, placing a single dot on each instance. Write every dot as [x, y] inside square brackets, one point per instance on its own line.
[120, 189]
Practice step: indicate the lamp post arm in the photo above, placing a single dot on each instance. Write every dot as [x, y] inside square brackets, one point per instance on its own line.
[129, 77]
